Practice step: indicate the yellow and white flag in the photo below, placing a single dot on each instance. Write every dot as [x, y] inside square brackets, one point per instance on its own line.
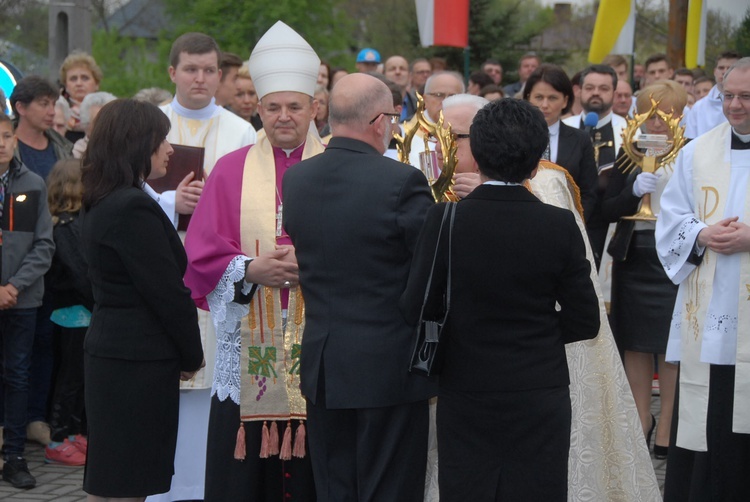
[614, 30]
[695, 38]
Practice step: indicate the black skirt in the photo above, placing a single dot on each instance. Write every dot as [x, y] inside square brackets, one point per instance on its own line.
[642, 298]
[132, 409]
[504, 445]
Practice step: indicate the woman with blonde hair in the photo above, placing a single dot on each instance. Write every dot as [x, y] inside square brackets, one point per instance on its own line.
[79, 76]
[642, 295]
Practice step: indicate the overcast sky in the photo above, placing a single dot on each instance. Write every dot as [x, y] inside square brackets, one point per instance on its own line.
[735, 8]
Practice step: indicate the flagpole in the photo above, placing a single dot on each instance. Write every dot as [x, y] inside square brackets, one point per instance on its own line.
[467, 59]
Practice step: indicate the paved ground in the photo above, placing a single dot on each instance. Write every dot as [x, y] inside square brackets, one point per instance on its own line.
[63, 484]
[53, 482]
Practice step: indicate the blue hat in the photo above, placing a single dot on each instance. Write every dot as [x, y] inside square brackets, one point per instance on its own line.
[368, 56]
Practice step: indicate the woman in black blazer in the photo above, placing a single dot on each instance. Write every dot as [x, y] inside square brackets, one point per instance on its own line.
[143, 337]
[550, 90]
[643, 297]
[504, 412]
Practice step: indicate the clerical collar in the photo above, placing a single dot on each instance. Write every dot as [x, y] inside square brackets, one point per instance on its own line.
[740, 141]
[745, 138]
[290, 151]
[201, 114]
[602, 122]
[554, 129]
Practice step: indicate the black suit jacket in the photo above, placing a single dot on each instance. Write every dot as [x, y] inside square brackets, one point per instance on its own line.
[576, 154]
[142, 309]
[513, 258]
[354, 217]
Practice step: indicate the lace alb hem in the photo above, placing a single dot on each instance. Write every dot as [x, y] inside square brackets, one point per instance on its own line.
[227, 316]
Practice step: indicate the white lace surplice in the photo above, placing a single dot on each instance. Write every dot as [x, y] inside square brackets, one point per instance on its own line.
[227, 316]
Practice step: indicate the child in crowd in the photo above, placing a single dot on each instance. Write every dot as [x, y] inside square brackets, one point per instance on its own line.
[26, 249]
[72, 302]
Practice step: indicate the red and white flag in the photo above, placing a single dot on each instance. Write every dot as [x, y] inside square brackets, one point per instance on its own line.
[443, 22]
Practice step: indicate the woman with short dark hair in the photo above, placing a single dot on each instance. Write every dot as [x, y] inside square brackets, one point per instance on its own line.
[550, 90]
[143, 337]
[504, 409]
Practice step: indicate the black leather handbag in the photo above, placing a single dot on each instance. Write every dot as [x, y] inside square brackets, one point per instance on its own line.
[428, 354]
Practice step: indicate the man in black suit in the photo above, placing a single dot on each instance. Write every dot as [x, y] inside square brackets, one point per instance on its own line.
[354, 217]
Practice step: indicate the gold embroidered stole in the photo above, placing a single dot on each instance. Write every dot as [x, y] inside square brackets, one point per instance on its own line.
[711, 181]
[575, 192]
[269, 361]
[196, 132]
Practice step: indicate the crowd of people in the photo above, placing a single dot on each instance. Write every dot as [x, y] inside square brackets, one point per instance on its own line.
[261, 192]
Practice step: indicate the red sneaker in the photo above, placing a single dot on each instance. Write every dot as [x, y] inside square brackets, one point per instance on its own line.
[81, 443]
[64, 454]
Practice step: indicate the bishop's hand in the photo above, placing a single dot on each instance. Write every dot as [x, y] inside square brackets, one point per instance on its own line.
[277, 268]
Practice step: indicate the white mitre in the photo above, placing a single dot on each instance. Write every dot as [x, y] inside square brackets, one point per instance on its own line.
[283, 61]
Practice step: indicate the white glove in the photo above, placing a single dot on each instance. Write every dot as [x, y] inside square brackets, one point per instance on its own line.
[645, 183]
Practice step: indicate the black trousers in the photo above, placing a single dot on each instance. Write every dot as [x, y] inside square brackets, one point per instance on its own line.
[368, 454]
[67, 400]
[721, 474]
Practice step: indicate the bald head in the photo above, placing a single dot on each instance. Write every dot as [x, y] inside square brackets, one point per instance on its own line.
[438, 87]
[357, 109]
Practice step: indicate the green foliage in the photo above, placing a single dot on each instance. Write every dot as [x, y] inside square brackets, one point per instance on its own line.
[720, 37]
[501, 30]
[390, 26]
[742, 35]
[21, 19]
[131, 64]
[238, 24]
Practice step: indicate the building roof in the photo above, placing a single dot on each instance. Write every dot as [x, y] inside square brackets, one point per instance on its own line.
[138, 19]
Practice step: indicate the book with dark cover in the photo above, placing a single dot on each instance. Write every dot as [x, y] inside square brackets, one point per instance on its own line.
[185, 159]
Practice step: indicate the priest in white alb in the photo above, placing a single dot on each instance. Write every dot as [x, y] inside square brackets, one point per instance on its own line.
[197, 122]
[242, 268]
[703, 241]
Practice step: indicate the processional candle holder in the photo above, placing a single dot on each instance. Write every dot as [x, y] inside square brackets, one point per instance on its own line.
[441, 181]
[660, 150]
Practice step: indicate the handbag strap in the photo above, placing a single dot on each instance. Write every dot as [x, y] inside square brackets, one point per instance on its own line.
[450, 252]
[449, 207]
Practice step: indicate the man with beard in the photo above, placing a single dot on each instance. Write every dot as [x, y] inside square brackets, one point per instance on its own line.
[598, 83]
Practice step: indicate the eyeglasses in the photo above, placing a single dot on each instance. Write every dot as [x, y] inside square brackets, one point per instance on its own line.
[456, 136]
[729, 97]
[393, 117]
[441, 95]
